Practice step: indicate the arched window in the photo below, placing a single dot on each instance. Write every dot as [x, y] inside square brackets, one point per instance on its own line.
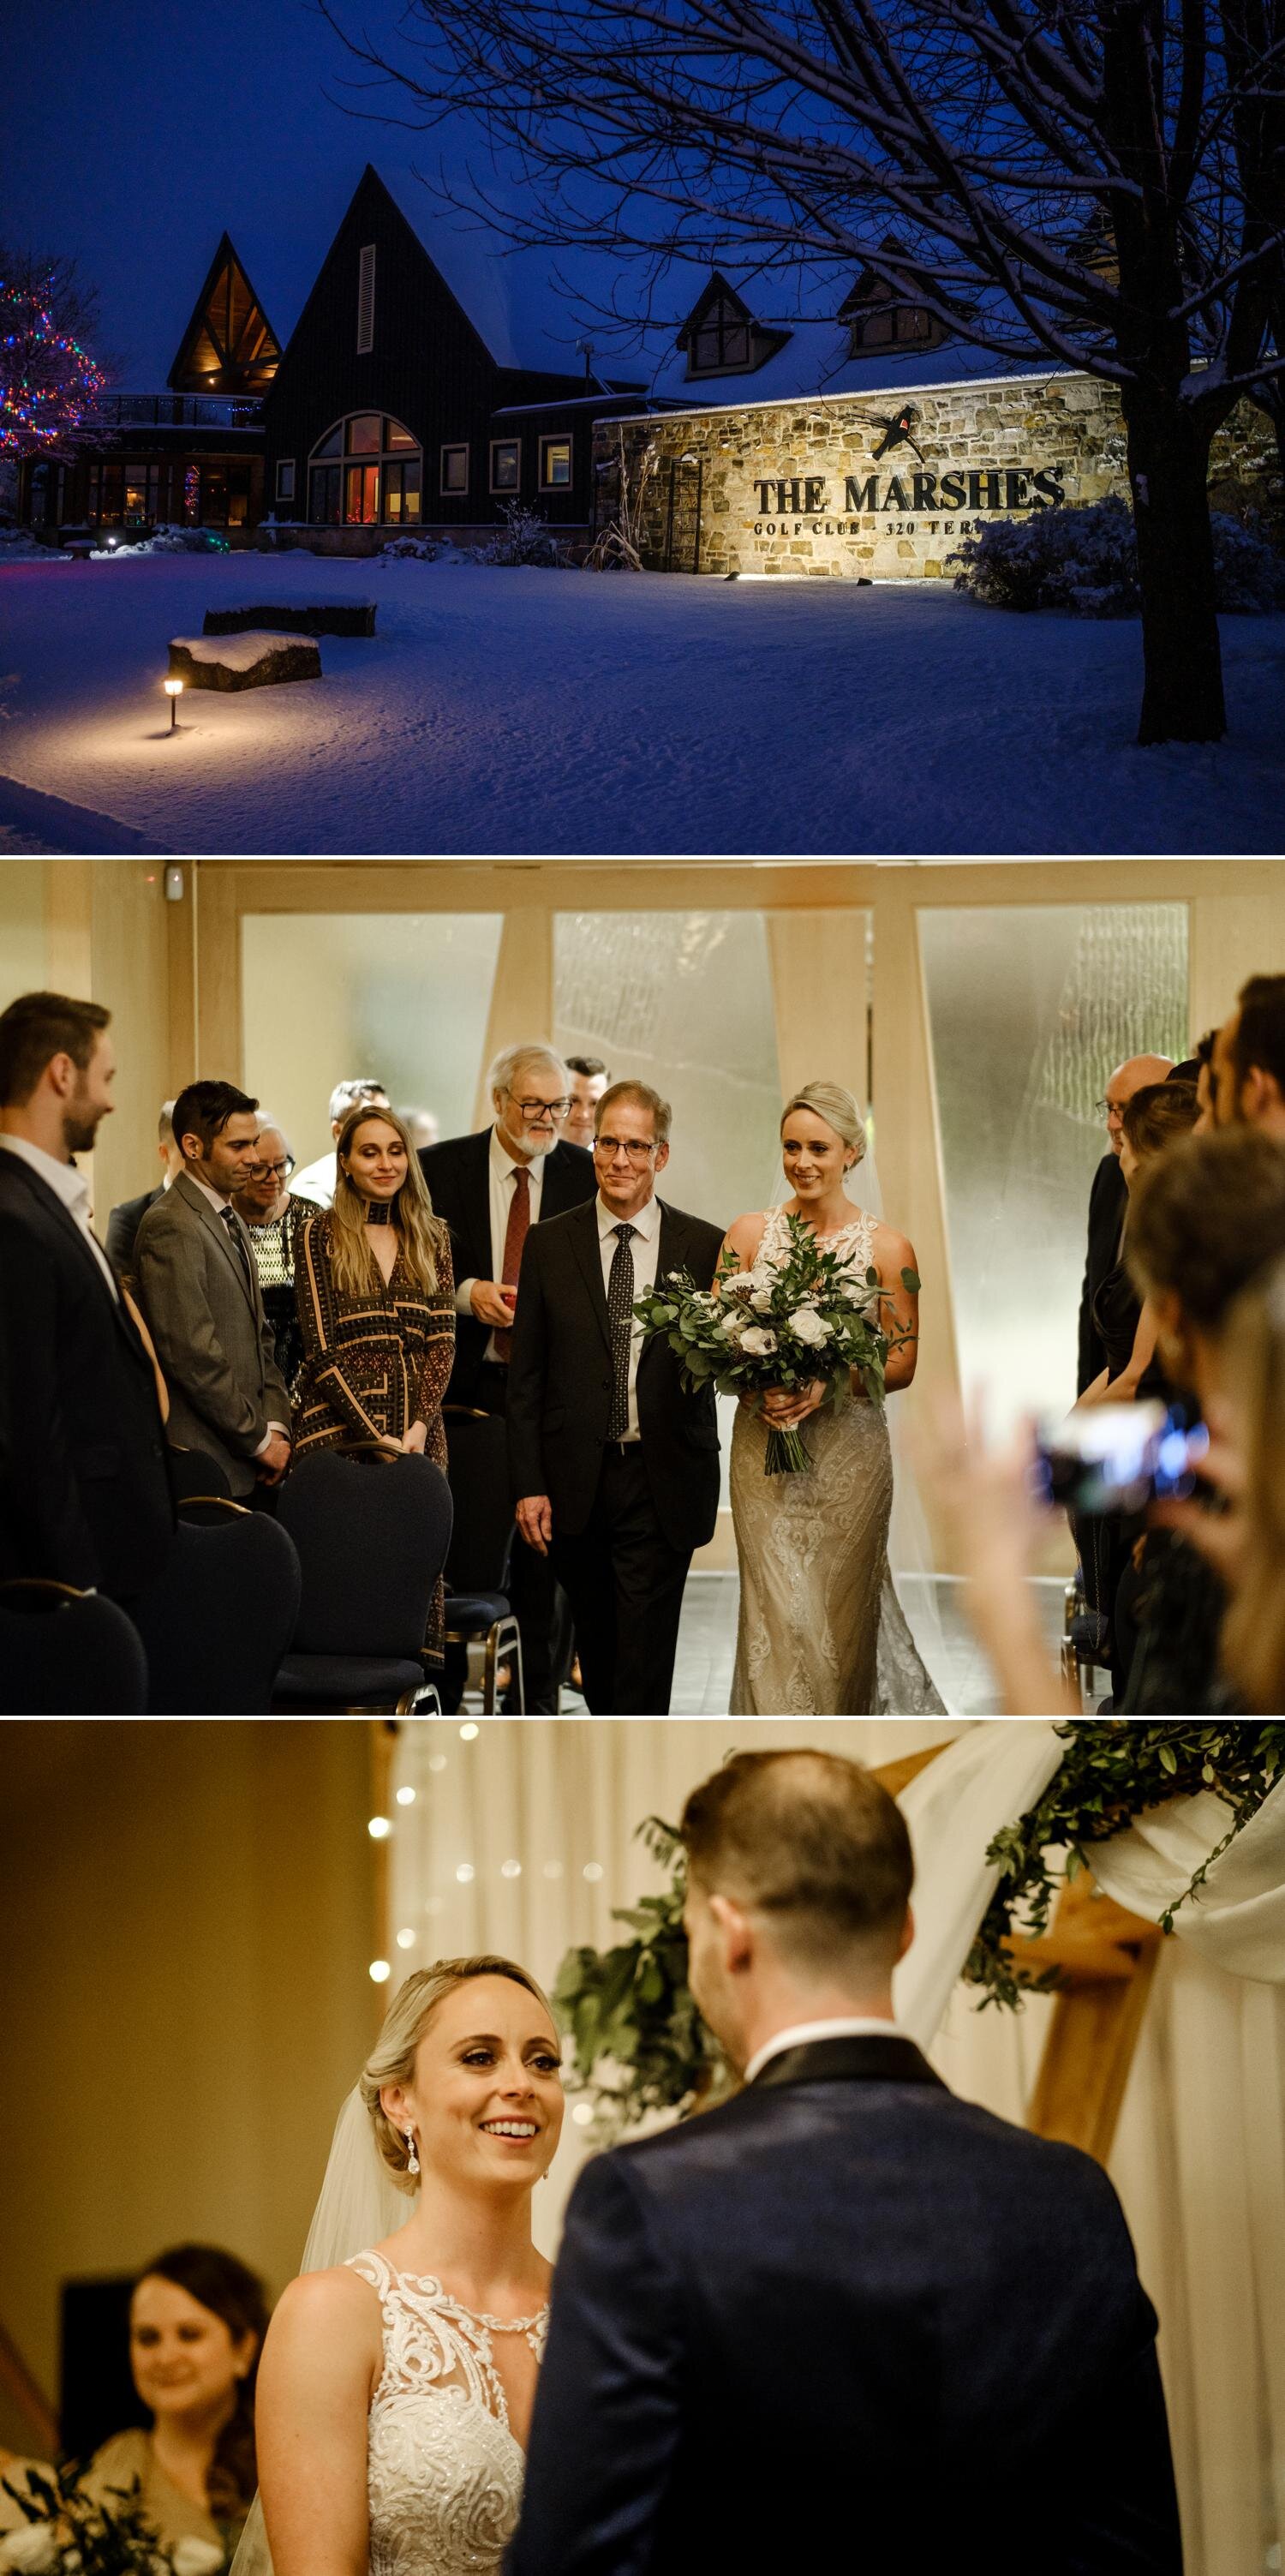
[366, 472]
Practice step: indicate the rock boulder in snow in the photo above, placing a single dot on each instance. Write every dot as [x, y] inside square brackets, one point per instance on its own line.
[254, 661]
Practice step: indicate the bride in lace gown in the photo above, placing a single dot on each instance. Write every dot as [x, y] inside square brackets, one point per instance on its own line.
[821, 1631]
[396, 2387]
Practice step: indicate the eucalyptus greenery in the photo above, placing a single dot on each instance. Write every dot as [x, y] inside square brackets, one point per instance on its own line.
[70, 2532]
[1109, 1773]
[639, 2045]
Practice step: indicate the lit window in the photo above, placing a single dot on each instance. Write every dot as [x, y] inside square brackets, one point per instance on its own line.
[506, 464]
[455, 469]
[364, 434]
[555, 464]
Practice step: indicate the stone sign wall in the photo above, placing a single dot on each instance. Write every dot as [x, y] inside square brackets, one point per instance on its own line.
[885, 485]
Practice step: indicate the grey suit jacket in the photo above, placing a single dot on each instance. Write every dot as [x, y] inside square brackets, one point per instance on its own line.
[212, 1338]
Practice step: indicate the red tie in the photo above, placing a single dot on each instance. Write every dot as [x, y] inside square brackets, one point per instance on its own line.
[515, 1235]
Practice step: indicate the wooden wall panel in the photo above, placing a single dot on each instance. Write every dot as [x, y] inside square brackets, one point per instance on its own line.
[522, 994]
[131, 973]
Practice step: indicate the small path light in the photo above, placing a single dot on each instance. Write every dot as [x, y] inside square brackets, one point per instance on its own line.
[173, 691]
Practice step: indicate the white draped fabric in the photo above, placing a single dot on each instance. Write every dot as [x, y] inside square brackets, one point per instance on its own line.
[523, 1840]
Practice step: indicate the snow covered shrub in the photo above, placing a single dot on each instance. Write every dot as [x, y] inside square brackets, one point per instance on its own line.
[1084, 560]
[524, 539]
[164, 541]
[414, 549]
[17, 545]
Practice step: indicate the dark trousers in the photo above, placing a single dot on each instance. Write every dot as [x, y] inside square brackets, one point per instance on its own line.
[624, 1580]
[544, 1620]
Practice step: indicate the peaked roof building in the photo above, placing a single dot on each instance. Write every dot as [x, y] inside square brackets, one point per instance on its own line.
[229, 346]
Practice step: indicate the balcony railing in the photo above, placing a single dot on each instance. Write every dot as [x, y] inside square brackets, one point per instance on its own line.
[181, 411]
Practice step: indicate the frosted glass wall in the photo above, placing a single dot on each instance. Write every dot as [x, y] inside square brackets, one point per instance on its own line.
[1030, 1009]
[403, 996]
[683, 1000]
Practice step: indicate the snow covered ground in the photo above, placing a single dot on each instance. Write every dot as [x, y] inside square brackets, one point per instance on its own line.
[544, 712]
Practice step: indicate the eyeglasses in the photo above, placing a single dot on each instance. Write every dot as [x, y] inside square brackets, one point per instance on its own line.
[1108, 1108]
[534, 1109]
[609, 1146]
[277, 1171]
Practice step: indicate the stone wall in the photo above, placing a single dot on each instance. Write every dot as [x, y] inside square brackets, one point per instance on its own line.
[801, 487]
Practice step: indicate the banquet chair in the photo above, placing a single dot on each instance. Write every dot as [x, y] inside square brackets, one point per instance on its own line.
[477, 1600]
[193, 1471]
[65, 1653]
[372, 1530]
[220, 1614]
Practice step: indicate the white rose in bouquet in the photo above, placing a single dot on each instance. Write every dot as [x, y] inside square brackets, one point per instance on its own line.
[738, 1284]
[757, 1339]
[809, 1327]
[732, 1326]
[35, 2546]
[194, 2557]
[761, 1301]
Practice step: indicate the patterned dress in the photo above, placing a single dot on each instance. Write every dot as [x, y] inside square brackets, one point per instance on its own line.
[373, 1363]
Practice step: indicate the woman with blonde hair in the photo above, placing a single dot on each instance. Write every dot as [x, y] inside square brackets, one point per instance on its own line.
[821, 1632]
[398, 2375]
[376, 1299]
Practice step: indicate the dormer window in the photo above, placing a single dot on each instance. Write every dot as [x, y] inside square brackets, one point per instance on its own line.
[721, 336]
[883, 317]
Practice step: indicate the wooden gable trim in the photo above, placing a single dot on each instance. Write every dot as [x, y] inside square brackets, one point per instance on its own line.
[253, 349]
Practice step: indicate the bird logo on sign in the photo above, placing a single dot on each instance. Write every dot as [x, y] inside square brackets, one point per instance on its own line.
[898, 432]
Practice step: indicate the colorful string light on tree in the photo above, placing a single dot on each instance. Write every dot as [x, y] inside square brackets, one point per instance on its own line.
[48, 381]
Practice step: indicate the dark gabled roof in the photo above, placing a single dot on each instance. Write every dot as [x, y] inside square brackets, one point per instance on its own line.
[716, 291]
[872, 288]
[229, 337]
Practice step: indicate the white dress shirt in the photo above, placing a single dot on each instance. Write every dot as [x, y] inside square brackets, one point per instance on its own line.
[503, 1169]
[644, 1251]
[68, 1185]
[221, 1207]
[802, 2033]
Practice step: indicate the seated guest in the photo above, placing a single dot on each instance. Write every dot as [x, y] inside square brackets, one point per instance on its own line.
[317, 1180]
[421, 1126]
[86, 1496]
[196, 2327]
[589, 1080]
[201, 1297]
[1107, 1204]
[272, 1216]
[376, 1299]
[1248, 1069]
[1153, 1117]
[124, 1221]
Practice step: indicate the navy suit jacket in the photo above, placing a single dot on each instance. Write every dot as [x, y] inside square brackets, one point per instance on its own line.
[1108, 1200]
[847, 2322]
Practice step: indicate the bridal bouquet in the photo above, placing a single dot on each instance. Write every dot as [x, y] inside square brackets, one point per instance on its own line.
[763, 1328]
[68, 2532]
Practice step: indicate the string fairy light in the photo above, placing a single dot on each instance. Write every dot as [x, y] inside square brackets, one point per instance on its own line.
[36, 415]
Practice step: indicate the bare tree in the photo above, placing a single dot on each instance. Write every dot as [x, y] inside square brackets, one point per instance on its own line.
[1102, 186]
[49, 381]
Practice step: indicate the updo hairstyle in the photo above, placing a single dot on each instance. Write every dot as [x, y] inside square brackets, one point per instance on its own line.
[392, 2060]
[830, 1100]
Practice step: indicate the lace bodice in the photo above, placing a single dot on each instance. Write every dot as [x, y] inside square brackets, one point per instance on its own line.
[853, 1243]
[445, 2471]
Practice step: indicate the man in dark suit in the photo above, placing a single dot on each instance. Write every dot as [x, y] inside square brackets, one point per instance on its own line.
[614, 1465]
[492, 1188]
[1108, 1199]
[200, 1293]
[843, 2320]
[125, 1220]
[86, 1493]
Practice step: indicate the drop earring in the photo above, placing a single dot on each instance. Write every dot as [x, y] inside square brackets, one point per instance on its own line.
[412, 2159]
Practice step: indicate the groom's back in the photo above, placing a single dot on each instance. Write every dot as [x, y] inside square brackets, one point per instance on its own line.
[878, 2326]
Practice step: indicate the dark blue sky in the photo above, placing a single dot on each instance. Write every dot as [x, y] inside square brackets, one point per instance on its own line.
[134, 131]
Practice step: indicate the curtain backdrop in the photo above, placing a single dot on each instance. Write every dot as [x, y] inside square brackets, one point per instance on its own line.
[523, 1839]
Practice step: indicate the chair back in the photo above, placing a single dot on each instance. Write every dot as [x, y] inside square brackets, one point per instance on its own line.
[372, 1536]
[482, 1536]
[65, 1653]
[219, 1618]
[193, 1471]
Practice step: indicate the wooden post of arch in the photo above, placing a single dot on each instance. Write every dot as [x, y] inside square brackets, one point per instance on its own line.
[1106, 1958]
